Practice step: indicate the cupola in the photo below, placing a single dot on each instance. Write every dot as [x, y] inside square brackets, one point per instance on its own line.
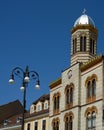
[83, 39]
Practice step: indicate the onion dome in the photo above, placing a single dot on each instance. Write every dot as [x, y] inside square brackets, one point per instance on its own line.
[84, 19]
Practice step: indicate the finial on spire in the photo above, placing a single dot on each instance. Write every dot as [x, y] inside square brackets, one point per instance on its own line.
[84, 11]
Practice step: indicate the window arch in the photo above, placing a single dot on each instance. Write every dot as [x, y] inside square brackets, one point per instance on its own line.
[55, 124]
[91, 120]
[68, 118]
[90, 115]
[56, 103]
[91, 87]
[69, 95]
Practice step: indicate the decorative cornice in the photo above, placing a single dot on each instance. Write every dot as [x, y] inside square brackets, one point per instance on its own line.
[91, 62]
[84, 27]
[55, 83]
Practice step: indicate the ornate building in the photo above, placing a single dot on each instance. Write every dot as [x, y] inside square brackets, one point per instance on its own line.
[77, 97]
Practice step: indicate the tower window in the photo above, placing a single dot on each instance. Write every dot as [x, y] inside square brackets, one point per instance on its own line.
[83, 44]
[74, 45]
[92, 46]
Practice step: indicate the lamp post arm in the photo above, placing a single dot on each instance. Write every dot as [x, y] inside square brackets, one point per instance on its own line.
[34, 75]
[18, 72]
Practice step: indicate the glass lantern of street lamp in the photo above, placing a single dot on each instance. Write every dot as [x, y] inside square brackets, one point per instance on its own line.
[37, 86]
[22, 88]
[26, 79]
[11, 80]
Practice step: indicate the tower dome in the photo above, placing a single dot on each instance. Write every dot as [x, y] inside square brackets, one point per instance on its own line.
[84, 19]
[83, 39]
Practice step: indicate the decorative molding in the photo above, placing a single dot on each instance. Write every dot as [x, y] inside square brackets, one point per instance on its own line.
[91, 62]
[90, 110]
[55, 83]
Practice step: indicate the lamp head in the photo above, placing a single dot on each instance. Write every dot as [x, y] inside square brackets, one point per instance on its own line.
[22, 88]
[26, 79]
[37, 86]
[26, 75]
[11, 80]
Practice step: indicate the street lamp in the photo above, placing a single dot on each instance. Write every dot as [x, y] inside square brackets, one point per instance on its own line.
[26, 77]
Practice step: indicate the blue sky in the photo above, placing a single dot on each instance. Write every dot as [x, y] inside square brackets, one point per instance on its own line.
[37, 33]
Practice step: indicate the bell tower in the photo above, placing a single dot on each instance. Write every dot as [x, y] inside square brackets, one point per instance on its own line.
[83, 39]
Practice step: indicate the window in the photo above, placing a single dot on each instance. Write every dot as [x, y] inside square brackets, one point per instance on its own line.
[45, 105]
[44, 125]
[91, 88]
[55, 124]
[91, 120]
[28, 126]
[69, 95]
[92, 46]
[36, 126]
[69, 121]
[74, 45]
[90, 115]
[83, 43]
[38, 108]
[56, 103]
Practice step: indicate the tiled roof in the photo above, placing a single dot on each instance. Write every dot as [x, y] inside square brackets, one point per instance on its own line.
[10, 109]
[42, 98]
[28, 115]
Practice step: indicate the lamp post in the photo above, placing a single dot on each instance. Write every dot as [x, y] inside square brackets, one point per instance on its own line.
[25, 76]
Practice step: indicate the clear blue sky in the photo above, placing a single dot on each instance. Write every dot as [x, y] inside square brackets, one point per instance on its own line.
[37, 33]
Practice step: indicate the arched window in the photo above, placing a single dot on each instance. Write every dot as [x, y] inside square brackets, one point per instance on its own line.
[69, 95]
[88, 121]
[84, 49]
[92, 46]
[56, 103]
[74, 45]
[69, 121]
[66, 124]
[55, 124]
[89, 89]
[83, 43]
[54, 127]
[93, 87]
[93, 119]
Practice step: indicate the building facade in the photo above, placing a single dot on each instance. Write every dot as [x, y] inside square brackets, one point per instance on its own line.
[38, 116]
[77, 97]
